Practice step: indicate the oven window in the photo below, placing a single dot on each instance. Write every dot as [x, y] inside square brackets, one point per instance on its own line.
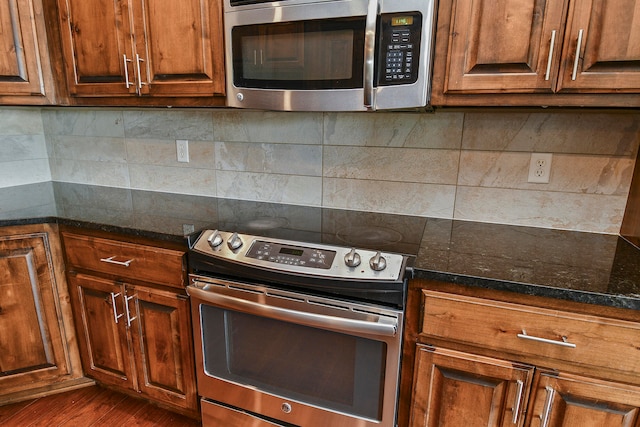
[322, 54]
[323, 368]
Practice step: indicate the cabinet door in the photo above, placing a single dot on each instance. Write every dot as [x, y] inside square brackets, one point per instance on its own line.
[500, 45]
[602, 47]
[96, 38]
[453, 389]
[101, 326]
[164, 352]
[179, 47]
[20, 66]
[31, 345]
[573, 401]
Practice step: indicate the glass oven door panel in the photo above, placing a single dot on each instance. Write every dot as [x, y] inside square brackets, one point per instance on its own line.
[336, 371]
[322, 54]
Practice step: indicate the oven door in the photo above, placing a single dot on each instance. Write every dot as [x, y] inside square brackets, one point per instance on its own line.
[294, 358]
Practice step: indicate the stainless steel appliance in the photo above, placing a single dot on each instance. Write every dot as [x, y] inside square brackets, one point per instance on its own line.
[296, 334]
[328, 55]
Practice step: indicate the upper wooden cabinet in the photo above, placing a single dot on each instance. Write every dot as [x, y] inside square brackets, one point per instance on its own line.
[601, 50]
[25, 73]
[537, 52]
[128, 48]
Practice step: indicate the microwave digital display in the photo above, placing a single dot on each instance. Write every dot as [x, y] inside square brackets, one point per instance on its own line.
[398, 21]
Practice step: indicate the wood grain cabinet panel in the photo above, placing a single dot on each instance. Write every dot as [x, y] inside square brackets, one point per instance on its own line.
[568, 400]
[489, 358]
[37, 352]
[179, 48]
[28, 308]
[133, 318]
[25, 73]
[602, 47]
[100, 321]
[454, 389]
[129, 48]
[522, 330]
[162, 335]
[503, 45]
[96, 37]
[537, 52]
[126, 260]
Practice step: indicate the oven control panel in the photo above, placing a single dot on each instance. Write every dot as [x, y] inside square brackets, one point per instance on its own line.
[293, 257]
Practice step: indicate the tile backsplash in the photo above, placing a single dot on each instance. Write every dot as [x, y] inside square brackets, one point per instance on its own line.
[23, 150]
[465, 165]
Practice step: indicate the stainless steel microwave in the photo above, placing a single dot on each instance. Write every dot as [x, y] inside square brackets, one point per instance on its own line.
[328, 55]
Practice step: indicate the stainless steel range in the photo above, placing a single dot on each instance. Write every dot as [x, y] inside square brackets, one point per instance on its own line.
[296, 334]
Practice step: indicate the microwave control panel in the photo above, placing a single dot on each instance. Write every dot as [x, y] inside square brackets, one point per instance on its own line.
[399, 52]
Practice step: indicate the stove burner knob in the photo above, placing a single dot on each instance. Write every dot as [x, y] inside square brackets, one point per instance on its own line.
[377, 262]
[215, 239]
[352, 259]
[234, 242]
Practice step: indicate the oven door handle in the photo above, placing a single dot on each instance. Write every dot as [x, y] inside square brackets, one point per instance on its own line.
[323, 321]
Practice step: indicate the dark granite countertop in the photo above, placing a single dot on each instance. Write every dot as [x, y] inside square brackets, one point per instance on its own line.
[584, 267]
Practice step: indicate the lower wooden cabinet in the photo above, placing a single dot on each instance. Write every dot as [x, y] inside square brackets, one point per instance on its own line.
[454, 389]
[133, 335]
[104, 340]
[485, 361]
[38, 354]
[561, 399]
[459, 389]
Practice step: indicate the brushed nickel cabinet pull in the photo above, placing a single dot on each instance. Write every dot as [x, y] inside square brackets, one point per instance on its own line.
[575, 61]
[116, 316]
[111, 260]
[128, 312]
[516, 409]
[127, 82]
[563, 343]
[550, 59]
[138, 61]
[546, 413]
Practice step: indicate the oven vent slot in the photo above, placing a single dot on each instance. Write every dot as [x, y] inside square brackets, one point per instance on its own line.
[325, 304]
[285, 297]
[371, 313]
[241, 289]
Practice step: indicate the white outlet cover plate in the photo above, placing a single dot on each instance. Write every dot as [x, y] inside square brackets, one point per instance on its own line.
[182, 150]
[540, 167]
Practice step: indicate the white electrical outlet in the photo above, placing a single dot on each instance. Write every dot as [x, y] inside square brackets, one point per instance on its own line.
[182, 150]
[540, 167]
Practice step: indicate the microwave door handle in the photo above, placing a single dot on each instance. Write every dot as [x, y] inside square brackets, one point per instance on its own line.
[337, 324]
[369, 53]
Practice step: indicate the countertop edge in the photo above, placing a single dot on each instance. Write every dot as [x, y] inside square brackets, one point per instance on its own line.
[580, 296]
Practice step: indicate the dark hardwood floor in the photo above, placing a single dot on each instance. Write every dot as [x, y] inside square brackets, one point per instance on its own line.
[89, 406]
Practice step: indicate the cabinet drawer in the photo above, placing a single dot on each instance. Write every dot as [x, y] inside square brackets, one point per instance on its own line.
[126, 260]
[526, 330]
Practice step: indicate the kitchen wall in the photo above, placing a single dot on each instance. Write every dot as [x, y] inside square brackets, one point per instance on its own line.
[23, 150]
[449, 164]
